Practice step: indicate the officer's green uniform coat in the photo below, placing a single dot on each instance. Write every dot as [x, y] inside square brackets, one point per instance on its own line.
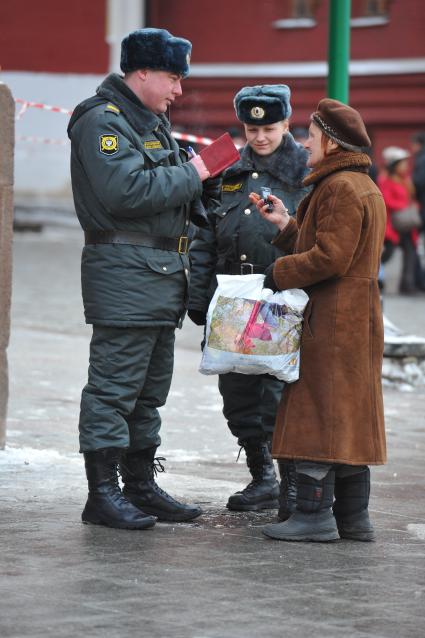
[240, 237]
[127, 174]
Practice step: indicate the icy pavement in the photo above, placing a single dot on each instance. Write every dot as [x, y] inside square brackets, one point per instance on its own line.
[217, 577]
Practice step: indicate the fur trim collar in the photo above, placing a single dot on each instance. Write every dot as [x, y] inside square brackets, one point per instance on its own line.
[288, 163]
[341, 161]
[114, 89]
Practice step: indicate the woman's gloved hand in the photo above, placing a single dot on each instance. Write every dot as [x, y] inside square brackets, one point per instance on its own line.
[198, 317]
[269, 282]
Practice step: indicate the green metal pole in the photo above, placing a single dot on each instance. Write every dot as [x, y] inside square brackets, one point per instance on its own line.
[339, 50]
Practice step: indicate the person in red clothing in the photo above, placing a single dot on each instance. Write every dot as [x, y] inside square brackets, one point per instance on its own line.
[398, 192]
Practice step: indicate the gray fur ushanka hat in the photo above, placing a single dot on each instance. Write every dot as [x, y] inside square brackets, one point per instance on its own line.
[155, 49]
[263, 104]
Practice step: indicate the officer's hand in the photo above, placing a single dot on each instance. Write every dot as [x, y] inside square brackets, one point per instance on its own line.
[198, 317]
[201, 169]
[269, 282]
[212, 187]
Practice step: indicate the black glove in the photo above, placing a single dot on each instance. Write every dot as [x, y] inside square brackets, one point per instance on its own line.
[198, 317]
[269, 282]
[211, 187]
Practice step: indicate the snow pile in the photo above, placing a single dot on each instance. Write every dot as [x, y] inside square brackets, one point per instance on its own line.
[404, 358]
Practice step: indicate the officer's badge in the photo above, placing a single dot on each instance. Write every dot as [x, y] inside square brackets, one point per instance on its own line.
[231, 188]
[152, 144]
[108, 144]
[257, 113]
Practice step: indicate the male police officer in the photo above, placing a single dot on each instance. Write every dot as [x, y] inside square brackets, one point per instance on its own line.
[134, 195]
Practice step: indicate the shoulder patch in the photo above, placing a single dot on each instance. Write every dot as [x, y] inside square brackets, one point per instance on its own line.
[108, 144]
[152, 144]
[113, 108]
[231, 188]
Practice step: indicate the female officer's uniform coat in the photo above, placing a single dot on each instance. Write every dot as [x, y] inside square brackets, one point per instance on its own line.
[240, 243]
[334, 412]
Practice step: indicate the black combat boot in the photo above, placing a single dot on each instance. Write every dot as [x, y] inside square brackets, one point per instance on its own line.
[263, 491]
[351, 506]
[106, 504]
[288, 489]
[313, 519]
[138, 470]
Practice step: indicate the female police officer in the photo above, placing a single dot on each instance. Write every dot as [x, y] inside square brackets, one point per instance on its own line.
[239, 244]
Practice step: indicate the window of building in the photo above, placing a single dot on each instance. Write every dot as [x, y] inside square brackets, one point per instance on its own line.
[377, 7]
[370, 13]
[304, 8]
[301, 15]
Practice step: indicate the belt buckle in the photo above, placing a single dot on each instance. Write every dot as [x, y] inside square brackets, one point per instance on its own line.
[183, 245]
[251, 268]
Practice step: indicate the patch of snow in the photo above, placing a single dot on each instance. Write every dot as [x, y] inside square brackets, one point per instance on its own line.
[34, 457]
[417, 529]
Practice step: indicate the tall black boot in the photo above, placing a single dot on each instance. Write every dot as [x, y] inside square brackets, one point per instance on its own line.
[351, 506]
[106, 504]
[138, 470]
[288, 489]
[263, 491]
[313, 519]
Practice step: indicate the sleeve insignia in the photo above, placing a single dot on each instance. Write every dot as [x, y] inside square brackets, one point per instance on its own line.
[112, 107]
[152, 144]
[108, 144]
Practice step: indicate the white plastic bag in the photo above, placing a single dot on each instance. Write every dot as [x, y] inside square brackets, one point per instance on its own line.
[250, 330]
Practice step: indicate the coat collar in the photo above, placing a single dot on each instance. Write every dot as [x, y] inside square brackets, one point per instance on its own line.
[287, 164]
[115, 90]
[340, 161]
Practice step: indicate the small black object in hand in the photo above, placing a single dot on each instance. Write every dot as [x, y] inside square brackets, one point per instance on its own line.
[265, 195]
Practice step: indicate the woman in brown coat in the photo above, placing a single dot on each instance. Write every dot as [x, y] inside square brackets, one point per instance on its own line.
[331, 420]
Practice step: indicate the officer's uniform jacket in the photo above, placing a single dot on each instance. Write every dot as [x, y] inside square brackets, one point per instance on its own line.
[128, 175]
[239, 241]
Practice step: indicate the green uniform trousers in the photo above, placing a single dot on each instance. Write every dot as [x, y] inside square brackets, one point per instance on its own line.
[129, 378]
[250, 403]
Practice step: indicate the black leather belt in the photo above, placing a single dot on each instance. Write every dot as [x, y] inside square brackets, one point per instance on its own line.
[245, 268]
[177, 244]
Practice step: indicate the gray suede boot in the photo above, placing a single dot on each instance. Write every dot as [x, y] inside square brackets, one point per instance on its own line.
[351, 506]
[313, 519]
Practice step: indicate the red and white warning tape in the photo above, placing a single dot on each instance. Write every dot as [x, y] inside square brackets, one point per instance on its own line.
[41, 140]
[185, 137]
[38, 105]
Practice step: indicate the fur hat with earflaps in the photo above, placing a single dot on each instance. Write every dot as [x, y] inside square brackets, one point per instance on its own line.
[155, 49]
[263, 104]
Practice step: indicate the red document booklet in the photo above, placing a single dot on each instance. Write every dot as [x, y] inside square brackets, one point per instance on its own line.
[220, 154]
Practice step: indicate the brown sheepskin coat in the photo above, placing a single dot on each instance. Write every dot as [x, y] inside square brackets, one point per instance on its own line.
[334, 412]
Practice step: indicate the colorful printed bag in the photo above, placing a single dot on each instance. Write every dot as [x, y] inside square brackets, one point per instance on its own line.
[250, 330]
